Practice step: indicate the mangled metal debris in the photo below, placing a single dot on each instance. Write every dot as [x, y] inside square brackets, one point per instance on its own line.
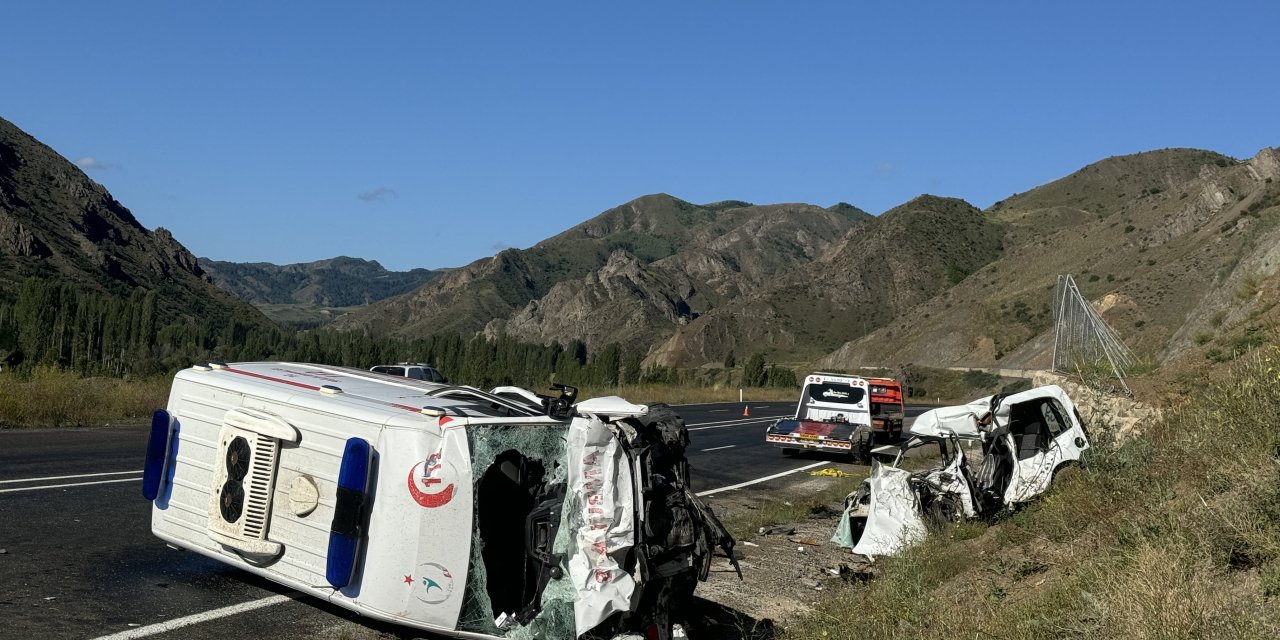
[1016, 444]
[505, 514]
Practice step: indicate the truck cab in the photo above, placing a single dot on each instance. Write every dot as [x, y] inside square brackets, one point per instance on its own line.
[887, 408]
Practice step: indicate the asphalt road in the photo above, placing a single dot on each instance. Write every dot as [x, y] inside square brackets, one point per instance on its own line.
[78, 561]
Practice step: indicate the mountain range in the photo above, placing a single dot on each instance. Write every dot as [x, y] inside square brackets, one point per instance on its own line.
[58, 224]
[1178, 249]
[336, 282]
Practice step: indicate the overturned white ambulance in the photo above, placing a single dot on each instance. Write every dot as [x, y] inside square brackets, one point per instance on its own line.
[1023, 439]
[505, 514]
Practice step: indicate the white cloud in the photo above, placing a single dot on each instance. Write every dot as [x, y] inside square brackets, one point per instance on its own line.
[380, 194]
[90, 163]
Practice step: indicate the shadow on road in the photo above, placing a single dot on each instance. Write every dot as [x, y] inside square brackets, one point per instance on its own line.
[714, 621]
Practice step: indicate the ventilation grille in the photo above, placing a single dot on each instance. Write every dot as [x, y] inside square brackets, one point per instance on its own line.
[259, 483]
[240, 501]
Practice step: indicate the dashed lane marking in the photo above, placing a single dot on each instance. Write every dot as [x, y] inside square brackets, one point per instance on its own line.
[80, 475]
[69, 484]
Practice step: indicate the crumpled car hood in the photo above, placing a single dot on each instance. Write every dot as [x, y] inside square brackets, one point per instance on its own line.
[893, 519]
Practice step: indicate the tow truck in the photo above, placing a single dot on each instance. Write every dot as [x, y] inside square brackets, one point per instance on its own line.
[834, 414]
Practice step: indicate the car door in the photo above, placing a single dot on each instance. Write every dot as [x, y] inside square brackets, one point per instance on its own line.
[1033, 437]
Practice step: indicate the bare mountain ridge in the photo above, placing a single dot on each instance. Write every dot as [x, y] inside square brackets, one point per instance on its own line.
[1168, 244]
[335, 282]
[55, 222]
[637, 303]
[690, 256]
[875, 272]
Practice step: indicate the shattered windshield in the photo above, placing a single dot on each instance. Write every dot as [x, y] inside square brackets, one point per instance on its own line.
[835, 393]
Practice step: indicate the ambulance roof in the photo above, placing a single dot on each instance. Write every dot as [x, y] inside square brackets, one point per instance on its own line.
[355, 388]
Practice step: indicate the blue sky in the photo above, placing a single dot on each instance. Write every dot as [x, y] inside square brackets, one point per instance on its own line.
[429, 134]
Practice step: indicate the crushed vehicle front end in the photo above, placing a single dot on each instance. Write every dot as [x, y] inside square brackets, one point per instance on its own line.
[1022, 440]
[472, 514]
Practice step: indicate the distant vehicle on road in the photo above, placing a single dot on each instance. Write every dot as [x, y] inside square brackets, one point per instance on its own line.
[415, 370]
[887, 409]
[834, 414]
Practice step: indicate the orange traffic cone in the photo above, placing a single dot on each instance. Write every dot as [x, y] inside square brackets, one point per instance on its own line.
[746, 411]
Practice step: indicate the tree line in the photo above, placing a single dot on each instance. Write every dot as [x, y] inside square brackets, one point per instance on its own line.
[95, 333]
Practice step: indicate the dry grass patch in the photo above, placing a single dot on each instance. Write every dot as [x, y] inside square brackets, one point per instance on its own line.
[49, 397]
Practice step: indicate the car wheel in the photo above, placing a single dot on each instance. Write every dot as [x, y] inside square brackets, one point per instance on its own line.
[1064, 475]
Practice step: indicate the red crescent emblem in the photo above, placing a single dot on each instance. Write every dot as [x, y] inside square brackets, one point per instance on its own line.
[428, 500]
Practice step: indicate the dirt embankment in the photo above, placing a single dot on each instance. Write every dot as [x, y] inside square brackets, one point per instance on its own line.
[786, 569]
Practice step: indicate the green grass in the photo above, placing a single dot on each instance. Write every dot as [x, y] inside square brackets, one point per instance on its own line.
[303, 315]
[1171, 534]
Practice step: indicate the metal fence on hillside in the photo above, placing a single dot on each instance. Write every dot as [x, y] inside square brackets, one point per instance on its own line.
[1083, 342]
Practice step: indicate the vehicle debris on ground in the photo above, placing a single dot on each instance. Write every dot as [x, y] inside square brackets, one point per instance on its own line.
[500, 514]
[1021, 441]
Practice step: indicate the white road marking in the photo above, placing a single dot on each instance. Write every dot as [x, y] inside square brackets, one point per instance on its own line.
[727, 446]
[72, 484]
[732, 423]
[82, 475]
[178, 623]
[764, 479]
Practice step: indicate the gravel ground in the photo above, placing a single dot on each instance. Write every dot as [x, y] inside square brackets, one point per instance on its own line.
[783, 573]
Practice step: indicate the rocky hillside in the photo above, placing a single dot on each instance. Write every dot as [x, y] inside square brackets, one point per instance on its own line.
[1174, 247]
[630, 275]
[874, 274]
[336, 282]
[56, 223]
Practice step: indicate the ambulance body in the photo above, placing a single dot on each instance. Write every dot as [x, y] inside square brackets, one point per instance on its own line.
[445, 508]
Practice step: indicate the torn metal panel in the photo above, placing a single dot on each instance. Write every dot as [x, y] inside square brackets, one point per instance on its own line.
[600, 481]
[961, 421]
[893, 520]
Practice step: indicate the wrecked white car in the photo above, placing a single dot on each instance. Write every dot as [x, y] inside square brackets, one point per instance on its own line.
[1022, 439]
[505, 514]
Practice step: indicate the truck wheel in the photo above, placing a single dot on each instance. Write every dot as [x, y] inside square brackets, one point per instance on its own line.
[860, 452]
[790, 453]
